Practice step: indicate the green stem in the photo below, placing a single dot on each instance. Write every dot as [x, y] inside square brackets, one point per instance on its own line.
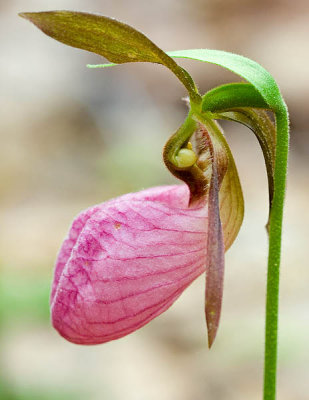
[273, 273]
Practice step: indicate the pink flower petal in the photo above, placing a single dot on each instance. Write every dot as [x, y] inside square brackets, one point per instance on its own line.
[125, 262]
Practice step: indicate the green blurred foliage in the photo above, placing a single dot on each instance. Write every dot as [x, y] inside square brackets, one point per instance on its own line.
[8, 392]
[24, 297]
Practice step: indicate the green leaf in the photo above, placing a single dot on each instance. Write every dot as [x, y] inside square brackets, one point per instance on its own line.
[93, 66]
[232, 95]
[116, 41]
[248, 69]
[261, 125]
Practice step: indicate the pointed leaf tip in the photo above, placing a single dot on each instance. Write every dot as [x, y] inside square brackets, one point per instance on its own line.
[116, 41]
[212, 327]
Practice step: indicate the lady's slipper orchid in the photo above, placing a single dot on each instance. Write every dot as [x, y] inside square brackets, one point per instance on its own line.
[126, 261]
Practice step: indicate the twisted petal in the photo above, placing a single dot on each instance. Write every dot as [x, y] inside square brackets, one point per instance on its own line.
[126, 261]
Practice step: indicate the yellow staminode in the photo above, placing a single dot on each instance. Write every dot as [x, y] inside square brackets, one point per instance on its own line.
[186, 157]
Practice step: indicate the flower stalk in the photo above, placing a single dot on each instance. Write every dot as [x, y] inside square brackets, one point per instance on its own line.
[274, 256]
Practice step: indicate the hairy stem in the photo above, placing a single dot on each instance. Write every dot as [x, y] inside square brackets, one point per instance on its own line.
[275, 232]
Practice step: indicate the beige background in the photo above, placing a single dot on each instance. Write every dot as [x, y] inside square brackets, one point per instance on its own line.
[72, 137]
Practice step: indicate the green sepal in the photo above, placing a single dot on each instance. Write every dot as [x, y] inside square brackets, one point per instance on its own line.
[116, 41]
[232, 95]
[231, 202]
[261, 125]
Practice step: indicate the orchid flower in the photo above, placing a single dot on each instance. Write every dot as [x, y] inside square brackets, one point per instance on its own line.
[126, 261]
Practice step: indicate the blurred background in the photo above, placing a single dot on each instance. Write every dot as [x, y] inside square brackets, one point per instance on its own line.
[72, 137]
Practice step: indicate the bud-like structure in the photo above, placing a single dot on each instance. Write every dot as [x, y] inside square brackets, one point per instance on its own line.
[126, 261]
[186, 158]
